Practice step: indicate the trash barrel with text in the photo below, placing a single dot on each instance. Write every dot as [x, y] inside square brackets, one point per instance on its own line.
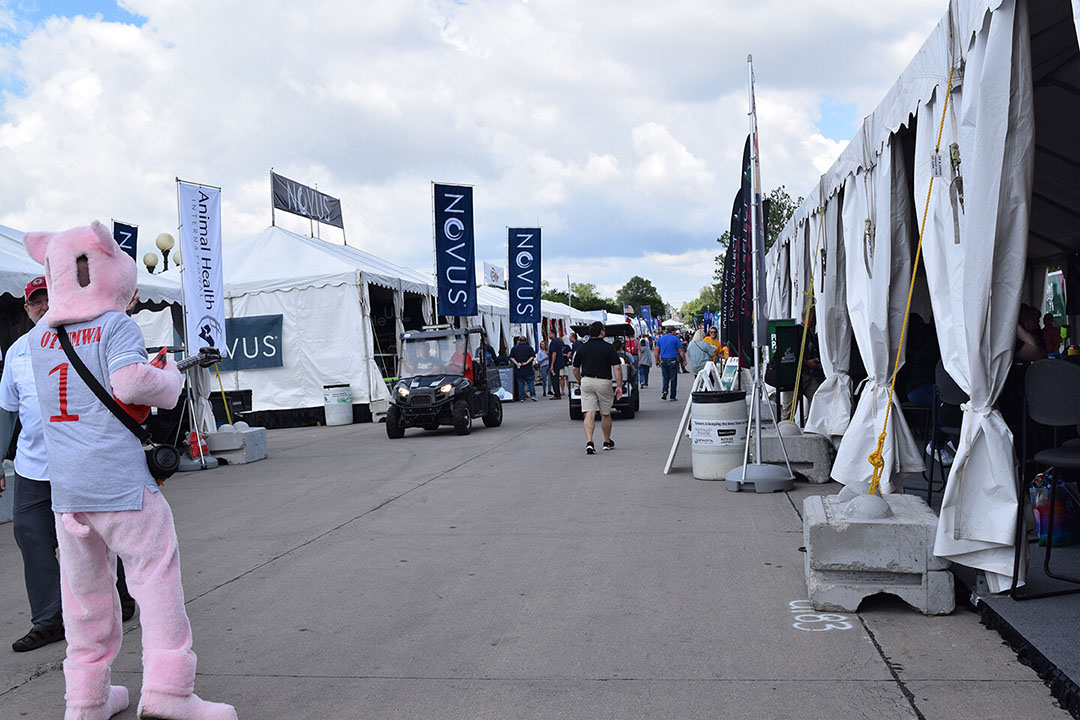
[717, 432]
[337, 404]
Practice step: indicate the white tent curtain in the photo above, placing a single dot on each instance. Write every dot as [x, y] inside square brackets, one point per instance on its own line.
[976, 284]
[830, 410]
[772, 267]
[784, 277]
[376, 388]
[878, 267]
[799, 274]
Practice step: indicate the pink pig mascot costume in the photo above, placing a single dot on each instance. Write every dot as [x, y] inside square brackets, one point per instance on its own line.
[105, 500]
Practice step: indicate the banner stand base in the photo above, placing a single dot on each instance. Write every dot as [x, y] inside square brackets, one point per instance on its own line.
[764, 478]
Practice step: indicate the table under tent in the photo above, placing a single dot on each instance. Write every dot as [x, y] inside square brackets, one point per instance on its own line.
[1004, 207]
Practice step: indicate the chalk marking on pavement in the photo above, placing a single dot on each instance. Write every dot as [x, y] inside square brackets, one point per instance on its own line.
[806, 620]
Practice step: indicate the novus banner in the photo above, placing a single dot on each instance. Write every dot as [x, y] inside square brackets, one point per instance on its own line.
[524, 244]
[200, 242]
[298, 199]
[455, 258]
[254, 342]
[126, 237]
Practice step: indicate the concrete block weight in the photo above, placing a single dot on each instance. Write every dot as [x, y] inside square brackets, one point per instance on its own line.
[810, 454]
[239, 445]
[849, 559]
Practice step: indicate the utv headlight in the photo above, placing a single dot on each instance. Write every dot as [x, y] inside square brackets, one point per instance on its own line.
[402, 391]
[447, 387]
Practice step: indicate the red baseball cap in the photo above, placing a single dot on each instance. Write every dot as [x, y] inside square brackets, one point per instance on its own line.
[33, 286]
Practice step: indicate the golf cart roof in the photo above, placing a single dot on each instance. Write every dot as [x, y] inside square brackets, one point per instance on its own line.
[435, 333]
[610, 330]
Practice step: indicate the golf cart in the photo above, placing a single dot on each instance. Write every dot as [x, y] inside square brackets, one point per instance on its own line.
[441, 384]
[630, 402]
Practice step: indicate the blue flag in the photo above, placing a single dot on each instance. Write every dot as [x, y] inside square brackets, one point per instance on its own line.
[455, 256]
[524, 281]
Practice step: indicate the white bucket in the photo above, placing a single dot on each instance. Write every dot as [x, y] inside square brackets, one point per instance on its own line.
[717, 432]
[337, 402]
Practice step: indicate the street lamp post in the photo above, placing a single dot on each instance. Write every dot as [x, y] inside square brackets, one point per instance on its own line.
[150, 261]
[165, 243]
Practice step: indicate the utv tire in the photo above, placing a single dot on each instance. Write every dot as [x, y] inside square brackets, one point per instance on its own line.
[637, 400]
[394, 428]
[462, 418]
[493, 417]
[575, 413]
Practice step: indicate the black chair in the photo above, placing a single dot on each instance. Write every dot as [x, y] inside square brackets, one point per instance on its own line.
[1051, 388]
[946, 392]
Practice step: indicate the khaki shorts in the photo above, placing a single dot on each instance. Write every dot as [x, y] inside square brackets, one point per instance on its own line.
[597, 395]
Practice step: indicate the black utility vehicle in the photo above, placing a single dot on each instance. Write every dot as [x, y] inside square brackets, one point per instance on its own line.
[630, 402]
[441, 384]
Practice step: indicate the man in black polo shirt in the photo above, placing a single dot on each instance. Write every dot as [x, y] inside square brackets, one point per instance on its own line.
[593, 362]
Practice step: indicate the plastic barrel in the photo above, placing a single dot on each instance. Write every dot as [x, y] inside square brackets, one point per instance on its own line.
[717, 432]
[337, 402]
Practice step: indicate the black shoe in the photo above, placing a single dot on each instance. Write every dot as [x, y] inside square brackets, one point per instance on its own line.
[674, 399]
[590, 449]
[663, 396]
[37, 638]
[609, 444]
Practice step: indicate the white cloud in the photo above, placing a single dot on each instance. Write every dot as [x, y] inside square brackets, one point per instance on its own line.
[617, 125]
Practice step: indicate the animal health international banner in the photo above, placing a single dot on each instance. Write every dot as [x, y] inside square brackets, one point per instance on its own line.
[455, 254]
[200, 243]
[524, 246]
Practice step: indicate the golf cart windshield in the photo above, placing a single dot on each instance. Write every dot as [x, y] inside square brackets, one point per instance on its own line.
[434, 355]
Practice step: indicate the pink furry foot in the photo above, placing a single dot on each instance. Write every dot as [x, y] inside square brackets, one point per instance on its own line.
[116, 702]
[161, 706]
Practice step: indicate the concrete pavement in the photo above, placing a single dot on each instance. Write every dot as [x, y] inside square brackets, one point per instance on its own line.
[507, 575]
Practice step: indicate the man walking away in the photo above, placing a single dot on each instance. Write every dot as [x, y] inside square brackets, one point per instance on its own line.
[523, 358]
[593, 364]
[669, 353]
[557, 353]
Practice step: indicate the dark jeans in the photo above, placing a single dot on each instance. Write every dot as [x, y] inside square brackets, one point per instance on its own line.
[669, 367]
[644, 370]
[526, 384]
[34, 527]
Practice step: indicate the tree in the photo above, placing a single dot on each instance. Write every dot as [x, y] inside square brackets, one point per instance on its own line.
[637, 292]
[585, 297]
[708, 298]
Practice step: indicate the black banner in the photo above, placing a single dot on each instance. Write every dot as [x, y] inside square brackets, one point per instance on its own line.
[455, 256]
[298, 199]
[126, 237]
[524, 245]
[254, 342]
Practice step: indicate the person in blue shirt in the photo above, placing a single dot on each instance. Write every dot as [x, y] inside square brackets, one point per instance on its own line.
[669, 353]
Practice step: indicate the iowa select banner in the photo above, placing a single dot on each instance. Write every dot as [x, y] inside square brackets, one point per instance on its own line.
[298, 199]
[524, 245]
[455, 257]
[200, 243]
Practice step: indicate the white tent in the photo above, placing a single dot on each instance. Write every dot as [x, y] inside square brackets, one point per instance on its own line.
[323, 293]
[1005, 206]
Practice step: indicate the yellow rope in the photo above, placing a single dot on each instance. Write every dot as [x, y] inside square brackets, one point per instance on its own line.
[224, 400]
[806, 319]
[875, 458]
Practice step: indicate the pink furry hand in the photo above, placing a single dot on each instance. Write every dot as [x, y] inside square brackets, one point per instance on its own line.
[144, 384]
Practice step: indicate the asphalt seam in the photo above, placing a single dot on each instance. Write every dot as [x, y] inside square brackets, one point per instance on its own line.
[893, 670]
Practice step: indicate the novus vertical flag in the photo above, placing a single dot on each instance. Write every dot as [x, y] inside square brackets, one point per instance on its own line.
[200, 242]
[455, 260]
[524, 245]
[127, 237]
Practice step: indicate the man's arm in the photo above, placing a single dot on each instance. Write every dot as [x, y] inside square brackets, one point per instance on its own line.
[618, 380]
[7, 427]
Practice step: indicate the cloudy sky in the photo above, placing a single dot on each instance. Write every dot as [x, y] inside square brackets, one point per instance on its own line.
[616, 125]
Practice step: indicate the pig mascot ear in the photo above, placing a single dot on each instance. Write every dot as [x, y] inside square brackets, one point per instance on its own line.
[104, 238]
[35, 243]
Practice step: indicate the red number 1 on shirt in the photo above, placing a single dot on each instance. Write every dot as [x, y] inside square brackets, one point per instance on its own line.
[63, 416]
